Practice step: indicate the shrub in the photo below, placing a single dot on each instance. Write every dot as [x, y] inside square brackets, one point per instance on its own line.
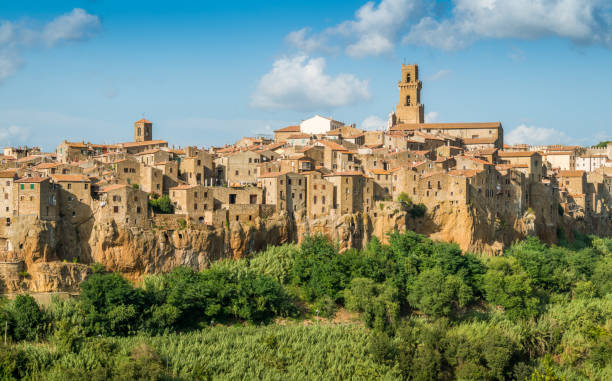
[162, 205]
[182, 223]
[28, 320]
[418, 210]
[404, 198]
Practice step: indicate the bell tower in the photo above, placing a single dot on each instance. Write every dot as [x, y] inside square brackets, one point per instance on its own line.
[143, 130]
[409, 109]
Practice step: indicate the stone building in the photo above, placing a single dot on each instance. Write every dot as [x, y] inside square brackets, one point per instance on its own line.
[353, 192]
[151, 180]
[560, 160]
[241, 167]
[319, 195]
[319, 125]
[409, 109]
[74, 197]
[143, 130]
[282, 134]
[7, 180]
[530, 162]
[127, 171]
[196, 201]
[197, 167]
[288, 191]
[123, 204]
[35, 196]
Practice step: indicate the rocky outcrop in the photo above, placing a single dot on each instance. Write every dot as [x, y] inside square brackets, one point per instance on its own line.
[51, 256]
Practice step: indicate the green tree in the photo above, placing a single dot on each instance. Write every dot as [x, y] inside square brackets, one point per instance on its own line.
[438, 295]
[506, 284]
[28, 320]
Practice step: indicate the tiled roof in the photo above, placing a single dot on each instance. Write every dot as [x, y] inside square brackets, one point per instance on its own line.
[140, 144]
[7, 174]
[37, 179]
[70, 178]
[183, 187]
[271, 174]
[516, 154]
[464, 172]
[479, 140]
[298, 136]
[347, 173]
[443, 126]
[332, 145]
[289, 129]
[113, 187]
[143, 120]
[571, 173]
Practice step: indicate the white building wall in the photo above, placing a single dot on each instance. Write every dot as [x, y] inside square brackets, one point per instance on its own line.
[318, 125]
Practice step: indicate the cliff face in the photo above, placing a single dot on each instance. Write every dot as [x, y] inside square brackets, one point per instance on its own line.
[51, 256]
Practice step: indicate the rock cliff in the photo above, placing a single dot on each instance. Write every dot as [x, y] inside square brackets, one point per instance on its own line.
[53, 256]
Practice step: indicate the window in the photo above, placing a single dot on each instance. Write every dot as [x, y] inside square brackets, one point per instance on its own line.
[408, 77]
[300, 196]
[232, 198]
[69, 186]
[314, 187]
[125, 170]
[314, 200]
[253, 199]
[236, 173]
[323, 187]
[138, 209]
[86, 186]
[195, 206]
[323, 199]
[299, 182]
[236, 218]
[115, 209]
[407, 100]
[31, 186]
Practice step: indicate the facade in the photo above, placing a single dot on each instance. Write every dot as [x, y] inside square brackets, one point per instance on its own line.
[319, 125]
[143, 130]
[35, 196]
[409, 109]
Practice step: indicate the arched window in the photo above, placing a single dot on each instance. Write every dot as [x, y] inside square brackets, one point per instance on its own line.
[139, 132]
[407, 100]
[408, 77]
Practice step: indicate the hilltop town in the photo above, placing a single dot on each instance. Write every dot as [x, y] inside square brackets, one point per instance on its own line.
[144, 207]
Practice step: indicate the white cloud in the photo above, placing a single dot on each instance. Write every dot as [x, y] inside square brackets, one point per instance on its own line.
[373, 31]
[378, 26]
[74, 26]
[14, 134]
[300, 83]
[373, 122]
[431, 117]
[15, 37]
[440, 74]
[524, 134]
[580, 21]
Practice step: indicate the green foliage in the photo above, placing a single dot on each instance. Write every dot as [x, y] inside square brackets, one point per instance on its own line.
[404, 198]
[135, 186]
[377, 303]
[602, 144]
[507, 285]
[162, 205]
[182, 223]
[438, 295]
[418, 210]
[26, 320]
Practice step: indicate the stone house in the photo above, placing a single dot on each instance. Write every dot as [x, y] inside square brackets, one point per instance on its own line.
[35, 196]
[531, 161]
[561, 160]
[195, 201]
[151, 180]
[353, 192]
[297, 163]
[288, 191]
[299, 140]
[74, 197]
[319, 125]
[124, 204]
[241, 167]
[127, 170]
[282, 134]
[320, 195]
[68, 152]
[196, 167]
[374, 138]
[7, 180]
[152, 156]
[572, 181]
[133, 148]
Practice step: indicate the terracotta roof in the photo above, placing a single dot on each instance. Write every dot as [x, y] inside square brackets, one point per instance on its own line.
[143, 120]
[76, 144]
[479, 140]
[332, 145]
[289, 129]
[334, 132]
[355, 136]
[487, 151]
[148, 152]
[516, 154]
[7, 174]
[464, 173]
[557, 153]
[113, 187]
[510, 166]
[70, 178]
[37, 179]
[46, 165]
[271, 174]
[139, 144]
[298, 136]
[476, 160]
[183, 187]
[443, 126]
[28, 158]
[348, 173]
[571, 173]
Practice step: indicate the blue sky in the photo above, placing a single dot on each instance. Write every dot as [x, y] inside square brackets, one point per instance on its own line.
[207, 73]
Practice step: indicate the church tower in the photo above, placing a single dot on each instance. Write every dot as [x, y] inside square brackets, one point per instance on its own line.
[410, 109]
[143, 130]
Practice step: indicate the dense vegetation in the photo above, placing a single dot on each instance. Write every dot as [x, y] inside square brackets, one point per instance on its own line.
[428, 310]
